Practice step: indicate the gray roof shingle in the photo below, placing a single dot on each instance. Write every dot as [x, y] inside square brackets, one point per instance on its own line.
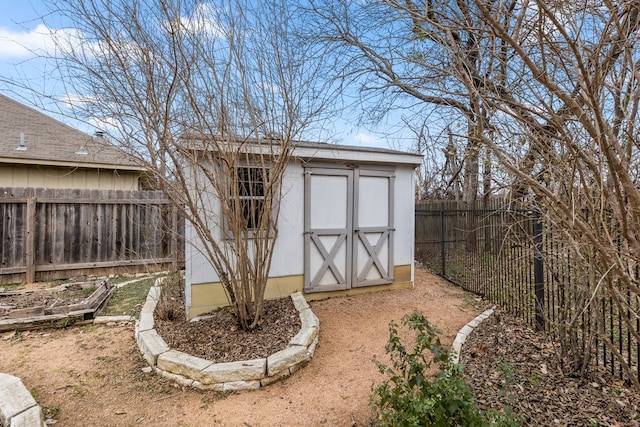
[49, 141]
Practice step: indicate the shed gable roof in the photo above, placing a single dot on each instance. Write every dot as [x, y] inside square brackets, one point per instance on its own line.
[311, 151]
[339, 152]
[51, 142]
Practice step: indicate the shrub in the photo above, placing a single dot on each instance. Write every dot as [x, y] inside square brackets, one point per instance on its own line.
[412, 397]
[169, 305]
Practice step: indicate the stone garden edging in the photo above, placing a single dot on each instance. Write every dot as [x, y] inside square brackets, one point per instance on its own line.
[461, 337]
[18, 408]
[200, 373]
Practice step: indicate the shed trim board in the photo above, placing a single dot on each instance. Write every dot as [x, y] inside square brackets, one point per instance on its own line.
[345, 226]
[314, 151]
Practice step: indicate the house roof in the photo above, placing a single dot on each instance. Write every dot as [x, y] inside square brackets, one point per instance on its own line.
[28, 136]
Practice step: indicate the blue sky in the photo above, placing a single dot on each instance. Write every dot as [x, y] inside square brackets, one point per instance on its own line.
[21, 31]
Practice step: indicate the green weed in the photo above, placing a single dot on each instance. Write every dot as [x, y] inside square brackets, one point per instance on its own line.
[412, 397]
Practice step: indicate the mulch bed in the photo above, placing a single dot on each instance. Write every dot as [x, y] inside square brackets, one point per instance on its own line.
[217, 338]
[509, 365]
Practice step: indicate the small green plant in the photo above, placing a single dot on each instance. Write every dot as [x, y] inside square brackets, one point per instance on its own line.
[507, 371]
[413, 397]
[50, 412]
[61, 324]
[534, 379]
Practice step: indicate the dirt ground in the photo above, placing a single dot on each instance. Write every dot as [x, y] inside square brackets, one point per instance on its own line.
[93, 375]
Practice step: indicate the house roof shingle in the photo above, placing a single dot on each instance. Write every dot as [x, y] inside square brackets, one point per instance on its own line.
[51, 142]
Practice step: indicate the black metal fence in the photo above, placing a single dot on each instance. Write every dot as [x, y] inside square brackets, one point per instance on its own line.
[507, 254]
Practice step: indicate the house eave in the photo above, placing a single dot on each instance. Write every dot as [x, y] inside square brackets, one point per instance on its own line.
[60, 163]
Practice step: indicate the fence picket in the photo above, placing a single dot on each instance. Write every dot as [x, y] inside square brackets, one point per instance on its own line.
[50, 234]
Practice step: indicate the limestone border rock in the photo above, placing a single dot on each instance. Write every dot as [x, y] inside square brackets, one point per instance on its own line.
[17, 407]
[200, 373]
[461, 337]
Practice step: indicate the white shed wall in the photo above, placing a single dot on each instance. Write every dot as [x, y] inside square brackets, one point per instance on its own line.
[197, 268]
[288, 255]
[288, 259]
[404, 216]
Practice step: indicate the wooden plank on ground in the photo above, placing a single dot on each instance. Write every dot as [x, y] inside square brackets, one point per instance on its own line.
[27, 312]
[98, 296]
[29, 323]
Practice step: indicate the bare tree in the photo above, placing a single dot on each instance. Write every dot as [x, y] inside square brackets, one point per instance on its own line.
[437, 180]
[418, 57]
[570, 103]
[551, 89]
[208, 97]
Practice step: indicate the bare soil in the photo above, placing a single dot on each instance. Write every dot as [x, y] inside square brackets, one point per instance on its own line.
[94, 375]
[48, 297]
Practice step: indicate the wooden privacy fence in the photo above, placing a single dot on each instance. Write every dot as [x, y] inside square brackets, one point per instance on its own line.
[58, 233]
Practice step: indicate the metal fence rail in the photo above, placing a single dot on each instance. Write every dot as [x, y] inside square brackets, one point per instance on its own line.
[505, 253]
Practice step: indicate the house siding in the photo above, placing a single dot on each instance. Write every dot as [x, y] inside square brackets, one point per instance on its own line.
[21, 176]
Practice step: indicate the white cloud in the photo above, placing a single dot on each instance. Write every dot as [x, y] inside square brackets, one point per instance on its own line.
[76, 99]
[19, 44]
[203, 19]
[39, 41]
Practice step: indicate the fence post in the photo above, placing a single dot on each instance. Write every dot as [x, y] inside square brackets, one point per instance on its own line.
[442, 239]
[174, 237]
[538, 271]
[30, 244]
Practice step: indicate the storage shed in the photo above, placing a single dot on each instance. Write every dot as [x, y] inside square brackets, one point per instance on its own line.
[346, 225]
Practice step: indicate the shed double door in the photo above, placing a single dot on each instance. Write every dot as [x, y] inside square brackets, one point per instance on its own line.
[348, 228]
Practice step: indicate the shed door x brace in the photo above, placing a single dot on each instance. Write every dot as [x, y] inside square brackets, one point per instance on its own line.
[348, 228]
